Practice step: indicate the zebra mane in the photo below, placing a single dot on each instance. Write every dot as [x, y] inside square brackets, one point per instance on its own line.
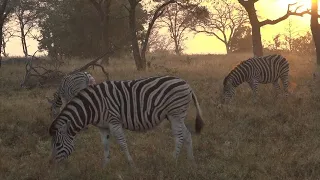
[225, 79]
[53, 128]
[234, 69]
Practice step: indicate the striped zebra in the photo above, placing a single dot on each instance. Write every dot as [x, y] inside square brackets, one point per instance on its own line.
[70, 85]
[136, 105]
[265, 69]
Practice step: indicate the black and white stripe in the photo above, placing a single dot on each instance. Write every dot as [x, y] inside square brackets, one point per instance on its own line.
[265, 69]
[70, 85]
[136, 105]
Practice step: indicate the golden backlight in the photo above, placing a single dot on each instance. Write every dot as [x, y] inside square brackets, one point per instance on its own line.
[202, 44]
[305, 4]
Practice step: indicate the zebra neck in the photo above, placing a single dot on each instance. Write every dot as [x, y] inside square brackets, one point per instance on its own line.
[74, 129]
[237, 83]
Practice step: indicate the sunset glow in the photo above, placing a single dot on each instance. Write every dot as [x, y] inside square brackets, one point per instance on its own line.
[305, 4]
[202, 44]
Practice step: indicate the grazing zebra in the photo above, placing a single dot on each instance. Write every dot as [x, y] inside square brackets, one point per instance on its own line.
[136, 105]
[69, 87]
[265, 69]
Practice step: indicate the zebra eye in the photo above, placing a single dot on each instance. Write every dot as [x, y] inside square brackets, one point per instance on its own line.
[58, 144]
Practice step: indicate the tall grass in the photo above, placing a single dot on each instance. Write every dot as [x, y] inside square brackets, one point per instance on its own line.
[276, 138]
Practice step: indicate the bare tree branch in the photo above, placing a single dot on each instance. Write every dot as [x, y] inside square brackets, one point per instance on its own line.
[284, 17]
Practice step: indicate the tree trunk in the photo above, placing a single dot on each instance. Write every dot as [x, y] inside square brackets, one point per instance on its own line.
[315, 28]
[145, 42]
[105, 30]
[1, 36]
[156, 15]
[228, 47]
[256, 34]
[256, 41]
[4, 44]
[176, 47]
[23, 40]
[140, 64]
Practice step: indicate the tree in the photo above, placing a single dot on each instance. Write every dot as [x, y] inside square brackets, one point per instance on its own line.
[6, 8]
[159, 42]
[138, 56]
[178, 18]
[303, 44]
[7, 34]
[315, 28]
[27, 17]
[249, 6]
[71, 28]
[241, 40]
[103, 9]
[224, 22]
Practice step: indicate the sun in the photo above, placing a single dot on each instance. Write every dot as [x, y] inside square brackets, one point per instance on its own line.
[305, 4]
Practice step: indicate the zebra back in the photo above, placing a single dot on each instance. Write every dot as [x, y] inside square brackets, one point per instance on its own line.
[140, 104]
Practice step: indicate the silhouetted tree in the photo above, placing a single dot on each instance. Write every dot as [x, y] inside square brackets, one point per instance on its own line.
[71, 28]
[223, 22]
[178, 19]
[139, 56]
[315, 28]
[241, 40]
[6, 7]
[26, 16]
[7, 34]
[249, 5]
[303, 44]
[103, 9]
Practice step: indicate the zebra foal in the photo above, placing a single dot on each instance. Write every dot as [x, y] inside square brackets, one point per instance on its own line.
[70, 85]
[136, 105]
[265, 69]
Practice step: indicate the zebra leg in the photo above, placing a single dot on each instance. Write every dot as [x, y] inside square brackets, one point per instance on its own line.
[178, 131]
[254, 87]
[285, 83]
[188, 141]
[277, 87]
[117, 131]
[105, 134]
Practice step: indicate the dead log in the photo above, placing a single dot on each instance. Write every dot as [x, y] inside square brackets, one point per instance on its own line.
[44, 75]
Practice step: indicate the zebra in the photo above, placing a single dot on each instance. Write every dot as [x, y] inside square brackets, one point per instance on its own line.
[265, 69]
[136, 105]
[70, 85]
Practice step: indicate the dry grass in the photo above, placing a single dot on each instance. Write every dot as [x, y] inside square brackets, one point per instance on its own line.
[273, 139]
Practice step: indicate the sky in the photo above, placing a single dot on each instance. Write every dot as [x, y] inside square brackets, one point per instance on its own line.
[204, 44]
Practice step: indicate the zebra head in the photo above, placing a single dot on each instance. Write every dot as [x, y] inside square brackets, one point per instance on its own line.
[62, 141]
[228, 89]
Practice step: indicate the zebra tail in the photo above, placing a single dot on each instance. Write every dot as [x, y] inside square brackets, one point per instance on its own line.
[199, 121]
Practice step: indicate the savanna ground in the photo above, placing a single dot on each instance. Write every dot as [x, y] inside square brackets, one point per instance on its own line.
[276, 138]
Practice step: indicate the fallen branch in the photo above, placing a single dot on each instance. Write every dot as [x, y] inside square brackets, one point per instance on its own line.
[46, 75]
[95, 63]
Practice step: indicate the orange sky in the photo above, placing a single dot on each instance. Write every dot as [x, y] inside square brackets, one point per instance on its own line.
[202, 43]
